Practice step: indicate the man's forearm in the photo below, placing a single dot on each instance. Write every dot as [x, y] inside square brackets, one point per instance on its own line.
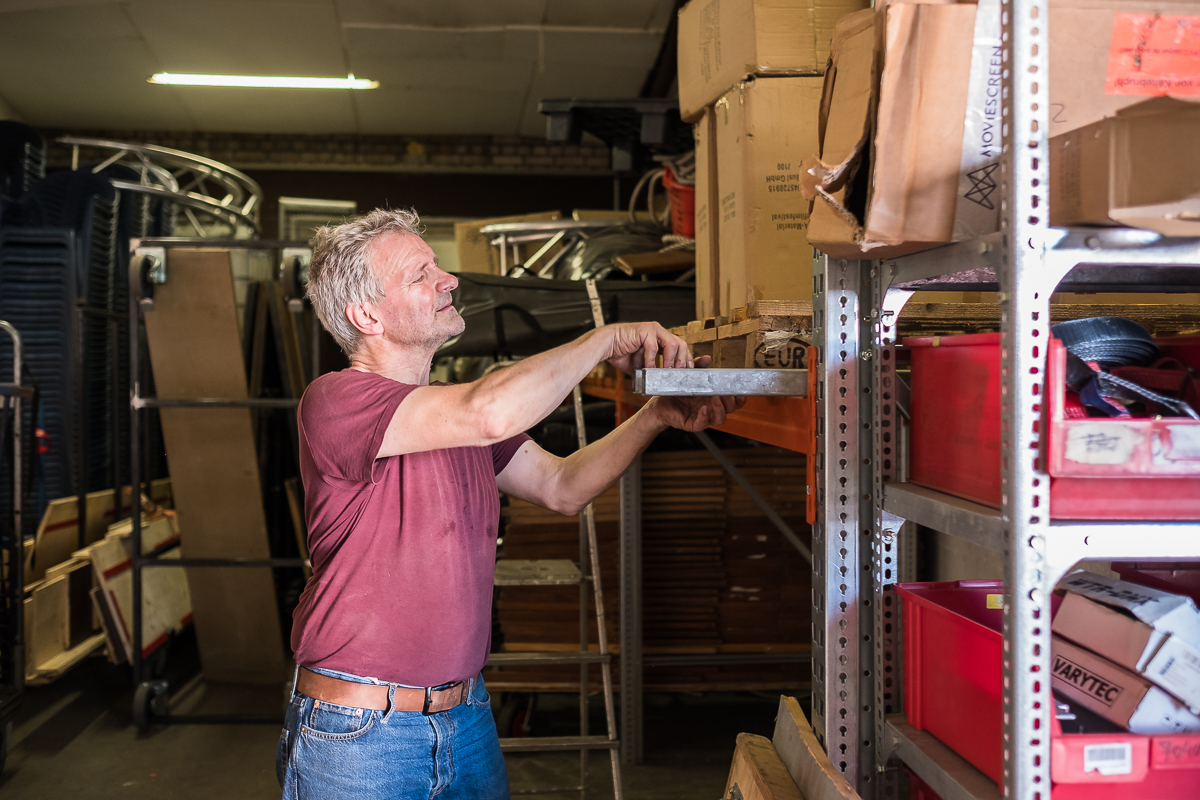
[522, 394]
[586, 473]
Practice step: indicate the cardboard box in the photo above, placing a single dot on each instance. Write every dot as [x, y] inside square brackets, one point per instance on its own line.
[1109, 54]
[475, 251]
[1153, 633]
[885, 181]
[722, 42]
[1115, 693]
[1140, 168]
[909, 153]
[764, 128]
[708, 270]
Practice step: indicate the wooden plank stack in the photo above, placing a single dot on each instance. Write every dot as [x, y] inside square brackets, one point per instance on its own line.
[717, 576]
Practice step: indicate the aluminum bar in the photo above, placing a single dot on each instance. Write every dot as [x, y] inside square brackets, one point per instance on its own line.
[721, 382]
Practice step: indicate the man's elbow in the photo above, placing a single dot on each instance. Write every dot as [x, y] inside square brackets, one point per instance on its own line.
[568, 508]
[493, 422]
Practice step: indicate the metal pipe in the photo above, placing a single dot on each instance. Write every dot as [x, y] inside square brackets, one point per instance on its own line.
[215, 402]
[17, 565]
[769, 512]
[135, 496]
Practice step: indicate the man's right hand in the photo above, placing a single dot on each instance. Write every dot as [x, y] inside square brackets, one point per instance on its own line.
[637, 344]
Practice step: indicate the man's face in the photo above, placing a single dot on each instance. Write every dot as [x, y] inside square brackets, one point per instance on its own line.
[416, 308]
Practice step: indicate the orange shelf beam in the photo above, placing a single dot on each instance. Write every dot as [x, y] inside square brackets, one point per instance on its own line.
[785, 422]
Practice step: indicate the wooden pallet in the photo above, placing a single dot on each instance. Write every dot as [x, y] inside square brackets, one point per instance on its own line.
[770, 334]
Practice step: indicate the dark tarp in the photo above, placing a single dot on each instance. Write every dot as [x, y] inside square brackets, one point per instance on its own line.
[523, 316]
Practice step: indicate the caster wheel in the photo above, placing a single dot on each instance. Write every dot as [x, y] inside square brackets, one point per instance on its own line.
[149, 701]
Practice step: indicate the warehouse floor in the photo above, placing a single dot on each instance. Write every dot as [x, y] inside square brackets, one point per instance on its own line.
[76, 738]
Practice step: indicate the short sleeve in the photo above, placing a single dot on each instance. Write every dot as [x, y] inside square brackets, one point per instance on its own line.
[343, 417]
[503, 452]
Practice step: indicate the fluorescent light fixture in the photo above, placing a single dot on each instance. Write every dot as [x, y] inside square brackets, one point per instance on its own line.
[262, 81]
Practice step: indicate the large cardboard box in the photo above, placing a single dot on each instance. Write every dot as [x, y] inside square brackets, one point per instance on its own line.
[764, 128]
[475, 251]
[1115, 693]
[708, 269]
[1153, 633]
[724, 41]
[910, 146]
[1140, 168]
[1109, 54]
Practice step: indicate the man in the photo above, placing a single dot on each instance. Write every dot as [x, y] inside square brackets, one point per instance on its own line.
[401, 480]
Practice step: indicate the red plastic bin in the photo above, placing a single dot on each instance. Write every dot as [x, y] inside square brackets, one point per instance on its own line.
[952, 688]
[1099, 468]
[683, 205]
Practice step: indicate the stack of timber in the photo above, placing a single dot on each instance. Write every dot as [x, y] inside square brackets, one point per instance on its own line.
[767, 334]
[941, 319]
[718, 578]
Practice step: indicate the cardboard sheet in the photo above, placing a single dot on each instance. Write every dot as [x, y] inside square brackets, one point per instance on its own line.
[195, 351]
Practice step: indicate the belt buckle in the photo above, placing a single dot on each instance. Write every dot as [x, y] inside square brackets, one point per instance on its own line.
[428, 701]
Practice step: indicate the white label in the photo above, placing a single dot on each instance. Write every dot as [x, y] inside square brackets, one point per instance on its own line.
[1185, 442]
[1108, 759]
[1101, 443]
[977, 210]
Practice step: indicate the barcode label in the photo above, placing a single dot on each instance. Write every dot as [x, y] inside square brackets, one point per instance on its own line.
[1108, 759]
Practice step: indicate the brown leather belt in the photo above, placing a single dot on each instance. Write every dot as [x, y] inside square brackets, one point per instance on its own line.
[374, 696]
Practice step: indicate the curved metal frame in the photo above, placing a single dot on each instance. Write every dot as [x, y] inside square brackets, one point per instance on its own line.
[182, 178]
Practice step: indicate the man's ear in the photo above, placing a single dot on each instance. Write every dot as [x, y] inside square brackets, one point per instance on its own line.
[365, 318]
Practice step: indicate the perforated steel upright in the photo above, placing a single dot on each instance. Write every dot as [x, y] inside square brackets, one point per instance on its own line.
[842, 619]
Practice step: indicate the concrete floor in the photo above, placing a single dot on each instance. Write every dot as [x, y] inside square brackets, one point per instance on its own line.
[76, 738]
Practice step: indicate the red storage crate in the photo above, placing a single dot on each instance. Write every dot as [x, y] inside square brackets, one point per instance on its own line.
[1099, 468]
[952, 688]
[919, 789]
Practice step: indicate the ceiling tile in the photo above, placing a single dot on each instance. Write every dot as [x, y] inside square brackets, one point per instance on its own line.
[430, 111]
[611, 13]
[443, 13]
[269, 110]
[391, 48]
[60, 25]
[242, 38]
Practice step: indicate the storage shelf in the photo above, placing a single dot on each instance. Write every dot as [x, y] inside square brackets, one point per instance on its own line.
[780, 421]
[946, 772]
[952, 515]
[1070, 540]
[1093, 260]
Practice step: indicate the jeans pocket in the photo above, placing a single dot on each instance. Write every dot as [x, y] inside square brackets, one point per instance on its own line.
[479, 696]
[341, 723]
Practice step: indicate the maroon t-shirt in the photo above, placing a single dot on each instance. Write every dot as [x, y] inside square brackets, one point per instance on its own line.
[403, 548]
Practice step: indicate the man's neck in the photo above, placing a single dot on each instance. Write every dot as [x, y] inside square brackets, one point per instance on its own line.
[409, 364]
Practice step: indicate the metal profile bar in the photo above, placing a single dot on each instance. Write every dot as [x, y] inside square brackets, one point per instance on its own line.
[719, 659]
[758, 499]
[664, 382]
[632, 659]
[952, 515]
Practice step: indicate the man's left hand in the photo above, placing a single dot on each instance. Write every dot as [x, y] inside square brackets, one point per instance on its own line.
[695, 413]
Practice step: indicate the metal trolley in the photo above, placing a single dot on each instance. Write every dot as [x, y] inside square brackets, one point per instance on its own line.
[148, 268]
[12, 577]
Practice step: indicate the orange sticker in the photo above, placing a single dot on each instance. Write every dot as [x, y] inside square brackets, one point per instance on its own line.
[1154, 55]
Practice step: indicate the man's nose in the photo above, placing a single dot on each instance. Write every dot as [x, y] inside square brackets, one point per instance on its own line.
[446, 281]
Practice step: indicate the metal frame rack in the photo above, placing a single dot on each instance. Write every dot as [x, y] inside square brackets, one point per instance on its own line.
[860, 547]
[12, 586]
[147, 268]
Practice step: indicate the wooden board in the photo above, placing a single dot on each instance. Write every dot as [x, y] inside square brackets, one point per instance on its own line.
[803, 757]
[947, 318]
[196, 351]
[46, 619]
[653, 263]
[758, 773]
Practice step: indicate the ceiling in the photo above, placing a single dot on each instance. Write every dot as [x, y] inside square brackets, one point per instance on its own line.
[444, 66]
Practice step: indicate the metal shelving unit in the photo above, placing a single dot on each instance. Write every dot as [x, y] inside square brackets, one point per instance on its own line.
[860, 547]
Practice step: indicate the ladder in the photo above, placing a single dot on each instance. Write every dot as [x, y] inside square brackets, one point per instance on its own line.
[561, 573]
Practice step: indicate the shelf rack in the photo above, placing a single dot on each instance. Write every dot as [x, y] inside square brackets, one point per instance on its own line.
[860, 544]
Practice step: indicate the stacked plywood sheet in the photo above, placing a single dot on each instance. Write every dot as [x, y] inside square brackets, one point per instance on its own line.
[717, 576]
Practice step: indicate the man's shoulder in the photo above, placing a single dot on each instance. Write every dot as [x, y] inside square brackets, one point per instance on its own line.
[337, 389]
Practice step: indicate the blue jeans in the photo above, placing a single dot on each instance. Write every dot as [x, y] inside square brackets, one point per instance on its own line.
[334, 752]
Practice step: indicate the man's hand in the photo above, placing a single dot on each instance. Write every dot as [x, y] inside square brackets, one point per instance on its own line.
[694, 413]
[636, 344]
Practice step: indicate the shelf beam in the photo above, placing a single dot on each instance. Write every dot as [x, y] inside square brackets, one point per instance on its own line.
[952, 515]
[946, 772]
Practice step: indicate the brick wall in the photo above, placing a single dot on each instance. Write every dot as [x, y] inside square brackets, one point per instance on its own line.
[348, 152]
